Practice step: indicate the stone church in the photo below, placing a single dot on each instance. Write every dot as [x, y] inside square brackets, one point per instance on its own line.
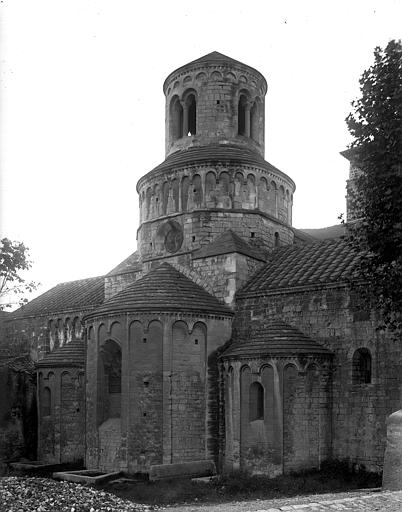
[228, 336]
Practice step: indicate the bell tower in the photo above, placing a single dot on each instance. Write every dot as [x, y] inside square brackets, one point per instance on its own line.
[215, 99]
[214, 178]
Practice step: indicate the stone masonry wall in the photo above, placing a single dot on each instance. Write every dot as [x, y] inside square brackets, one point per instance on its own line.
[334, 317]
[17, 411]
[146, 394]
[306, 418]
[43, 333]
[62, 412]
[208, 186]
[226, 273]
[117, 282]
[216, 88]
[286, 426]
[168, 413]
[188, 397]
[200, 228]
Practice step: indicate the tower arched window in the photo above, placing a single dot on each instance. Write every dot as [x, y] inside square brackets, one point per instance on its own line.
[256, 402]
[191, 115]
[176, 117]
[242, 115]
[361, 366]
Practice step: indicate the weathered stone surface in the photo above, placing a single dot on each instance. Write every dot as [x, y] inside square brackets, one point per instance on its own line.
[195, 468]
[392, 473]
[151, 373]
[18, 436]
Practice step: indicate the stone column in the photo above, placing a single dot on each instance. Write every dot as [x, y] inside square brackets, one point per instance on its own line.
[236, 415]
[276, 202]
[278, 406]
[167, 392]
[91, 406]
[247, 120]
[125, 392]
[203, 188]
[57, 415]
[228, 386]
[39, 391]
[185, 119]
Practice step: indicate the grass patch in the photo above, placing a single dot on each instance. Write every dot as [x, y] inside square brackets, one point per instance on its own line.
[334, 477]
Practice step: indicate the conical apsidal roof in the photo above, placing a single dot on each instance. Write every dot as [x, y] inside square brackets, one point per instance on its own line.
[69, 355]
[278, 339]
[162, 289]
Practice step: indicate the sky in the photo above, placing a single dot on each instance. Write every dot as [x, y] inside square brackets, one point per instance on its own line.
[82, 109]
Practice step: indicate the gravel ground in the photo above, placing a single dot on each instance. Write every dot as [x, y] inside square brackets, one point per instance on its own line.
[20, 494]
[23, 494]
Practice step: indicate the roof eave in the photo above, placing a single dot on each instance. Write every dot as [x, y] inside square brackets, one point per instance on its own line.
[60, 364]
[299, 288]
[159, 310]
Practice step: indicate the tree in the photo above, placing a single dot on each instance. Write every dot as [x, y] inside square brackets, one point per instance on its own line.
[376, 152]
[14, 259]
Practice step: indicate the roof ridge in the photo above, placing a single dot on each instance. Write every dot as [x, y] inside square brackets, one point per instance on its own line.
[70, 295]
[77, 281]
[227, 242]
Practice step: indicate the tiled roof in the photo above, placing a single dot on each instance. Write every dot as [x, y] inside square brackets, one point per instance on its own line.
[215, 57]
[276, 339]
[130, 264]
[336, 231]
[70, 354]
[213, 154]
[163, 288]
[72, 295]
[227, 243]
[329, 261]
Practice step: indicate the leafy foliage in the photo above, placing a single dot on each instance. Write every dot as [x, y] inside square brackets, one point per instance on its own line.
[14, 259]
[375, 192]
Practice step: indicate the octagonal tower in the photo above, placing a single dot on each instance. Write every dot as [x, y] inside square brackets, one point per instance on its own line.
[214, 177]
